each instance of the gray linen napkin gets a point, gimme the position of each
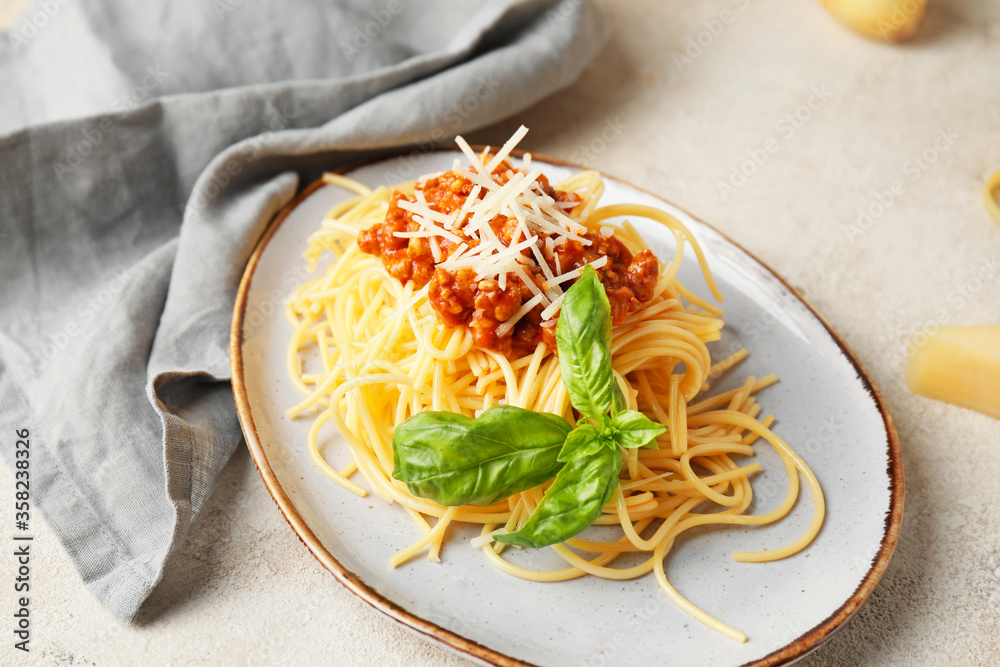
(144, 147)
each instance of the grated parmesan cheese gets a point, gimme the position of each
(548, 315)
(525, 308)
(528, 211)
(576, 273)
(506, 149)
(483, 540)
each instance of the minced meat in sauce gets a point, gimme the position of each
(482, 305)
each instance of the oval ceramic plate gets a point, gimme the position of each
(826, 405)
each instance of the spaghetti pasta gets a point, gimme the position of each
(368, 351)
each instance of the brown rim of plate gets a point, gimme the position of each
(794, 650)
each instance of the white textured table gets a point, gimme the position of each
(926, 114)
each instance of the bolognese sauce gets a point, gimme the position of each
(462, 297)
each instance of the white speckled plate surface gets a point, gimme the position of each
(826, 408)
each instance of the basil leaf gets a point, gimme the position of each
(619, 404)
(583, 340)
(634, 429)
(573, 502)
(584, 440)
(455, 460)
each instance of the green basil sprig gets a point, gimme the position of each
(581, 490)
(583, 339)
(454, 460)
(592, 451)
